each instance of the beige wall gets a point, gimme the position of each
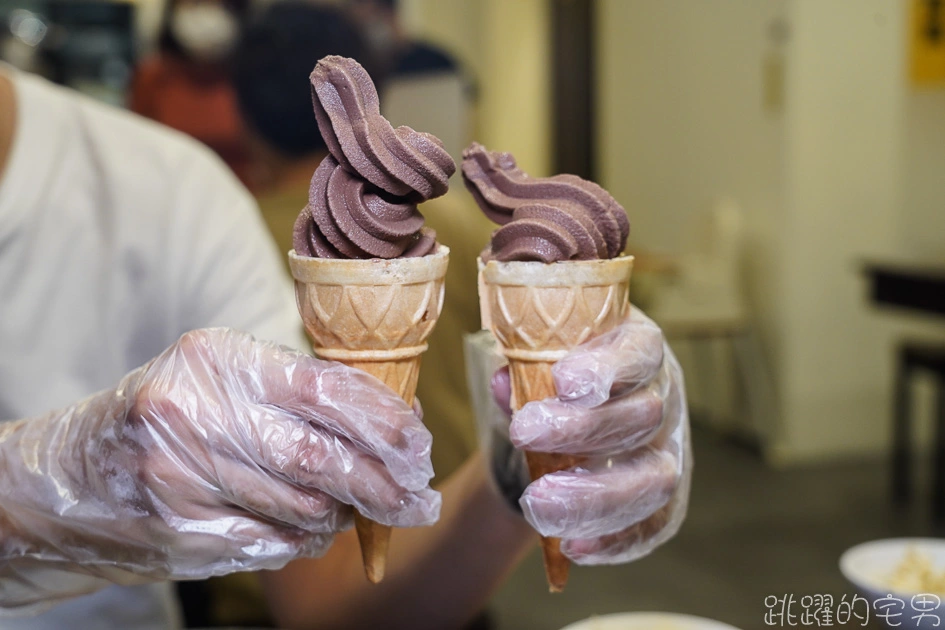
(923, 207)
(688, 114)
(849, 169)
(844, 135)
(681, 116)
(505, 44)
(861, 182)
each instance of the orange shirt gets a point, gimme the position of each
(203, 106)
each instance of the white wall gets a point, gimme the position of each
(923, 207)
(684, 120)
(851, 169)
(844, 133)
(681, 116)
(506, 45)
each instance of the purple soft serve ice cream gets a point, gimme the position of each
(363, 197)
(546, 219)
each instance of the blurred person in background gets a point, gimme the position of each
(186, 84)
(203, 452)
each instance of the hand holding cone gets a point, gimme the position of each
(374, 315)
(368, 275)
(538, 312)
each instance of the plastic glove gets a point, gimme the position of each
(222, 454)
(621, 403)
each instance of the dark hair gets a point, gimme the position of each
(272, 65)
(169, 44)
(390, 5)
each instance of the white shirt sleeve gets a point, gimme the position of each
(223, 265)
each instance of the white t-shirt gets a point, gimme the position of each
(116, 236)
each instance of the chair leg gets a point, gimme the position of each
(705, 368)
(901, 472)
(758, 397)
(938, 484)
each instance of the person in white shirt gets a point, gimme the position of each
(123, 244)
(116, 238)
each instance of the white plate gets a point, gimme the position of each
(648, 621)
(869, 565)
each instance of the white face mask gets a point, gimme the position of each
(206, 31)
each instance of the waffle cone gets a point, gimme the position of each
(374, 315)
(538, 312)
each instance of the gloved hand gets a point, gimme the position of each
(621, 403)
(221, 454)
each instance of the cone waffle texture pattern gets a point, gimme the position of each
(374, 315)
(369, 310)
(538, 312)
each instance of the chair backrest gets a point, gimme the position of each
(716, 233)
(713, 243)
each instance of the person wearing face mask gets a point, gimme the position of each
(186, 84)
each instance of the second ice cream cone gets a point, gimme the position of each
(374, 315)
(538, 312)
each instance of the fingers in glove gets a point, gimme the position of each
(356, 405)
(639, 539)
(621, 359)
(317, 459)
(273, 498)
(239, 540)
(258, 520)
(621, 424)
(627, 545)
(345, 400)
(295, 444)
(244, 483)
(502, 389)
(601, 498)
